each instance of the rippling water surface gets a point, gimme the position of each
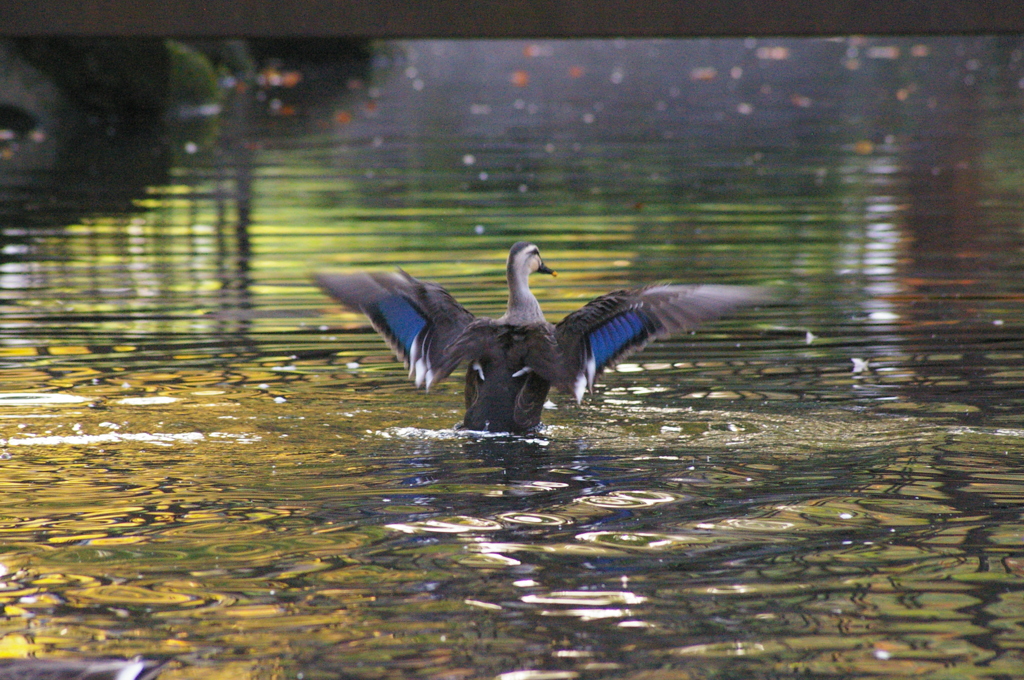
(205, 460)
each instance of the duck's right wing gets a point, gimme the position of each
(418, 319)
(608, 328)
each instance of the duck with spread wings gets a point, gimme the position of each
(513, 361)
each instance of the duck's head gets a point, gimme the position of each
(524, 259)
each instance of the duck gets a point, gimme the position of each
(80, 669)
(513, 361)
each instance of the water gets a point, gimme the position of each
(205, 460)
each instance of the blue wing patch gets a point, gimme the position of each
(616, 334)
(402, 319)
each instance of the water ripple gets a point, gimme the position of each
(454, 525)
(631, 499)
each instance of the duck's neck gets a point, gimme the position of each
(523, 307)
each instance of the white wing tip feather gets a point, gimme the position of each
(579, 387)
(585, 378)
(420, 368)
(414, 355)
(419, 363)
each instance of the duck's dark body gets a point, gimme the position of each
(513, 361)
(497, 399)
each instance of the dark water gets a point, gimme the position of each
(204, 460)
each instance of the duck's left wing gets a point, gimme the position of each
(419, 320)
(606, 330)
